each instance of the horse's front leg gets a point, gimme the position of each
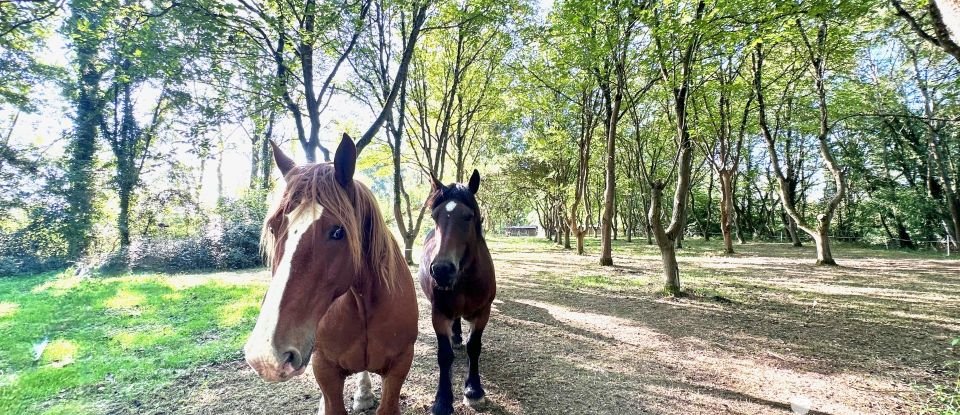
(473, 392)
(330, 377)
(393, 380)
(443, 403)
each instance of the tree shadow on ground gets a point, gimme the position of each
(568, 336)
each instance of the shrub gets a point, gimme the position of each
(239, 232)
(240, 246)
(230, 240)
(36, 247)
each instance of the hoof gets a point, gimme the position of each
(363, 399)
(473, 394)
(364, 403)
(457, 341)
(474, 402)
(441, 409)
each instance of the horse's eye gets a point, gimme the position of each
(337, 233)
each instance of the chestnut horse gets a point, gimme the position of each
(341, 296)
(457, 276)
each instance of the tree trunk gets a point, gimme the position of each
(617, 221)
(727, 221)
(671, 270)
(904, 239)
(646, 223)
(587, 122)
(265, 163)
(822, 238)
(606, 225)
(706, 221)
(558, 219)
(123, 219)
(668, 252)
(254, 161)
(408, 241)
(792, 232)
(83, 145)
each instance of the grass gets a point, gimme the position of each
(566, 336)
(112, 339)
(947, 396)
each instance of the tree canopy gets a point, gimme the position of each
(803, 122)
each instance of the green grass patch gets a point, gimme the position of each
(70, 345)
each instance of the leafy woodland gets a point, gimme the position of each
(811, 122)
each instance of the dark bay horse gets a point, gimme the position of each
(457, 276)
(341, 296)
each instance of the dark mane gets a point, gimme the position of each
(459, 193)
(371, 243)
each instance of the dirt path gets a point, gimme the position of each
(570, 337)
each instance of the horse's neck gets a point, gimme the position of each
(370, 285)
(478, 253)
(366, 284)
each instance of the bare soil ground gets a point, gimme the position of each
(759, 329)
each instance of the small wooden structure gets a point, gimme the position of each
(521, 230)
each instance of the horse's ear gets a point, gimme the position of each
(283, 162)
(345, 161)
(474, 182)
(436, 184)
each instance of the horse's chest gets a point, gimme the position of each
(341, 334)
(460, 303)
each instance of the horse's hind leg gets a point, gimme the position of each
(457, 333)
(392, 382)
(473, 392)
(330, 378)
(363, 399)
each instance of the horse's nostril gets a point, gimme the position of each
(293, 358)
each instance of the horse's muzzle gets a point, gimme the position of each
(444, 275)
(273, 368)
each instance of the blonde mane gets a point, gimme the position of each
(368, 239)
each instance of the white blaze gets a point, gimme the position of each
(260, 342)
(450, 206)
